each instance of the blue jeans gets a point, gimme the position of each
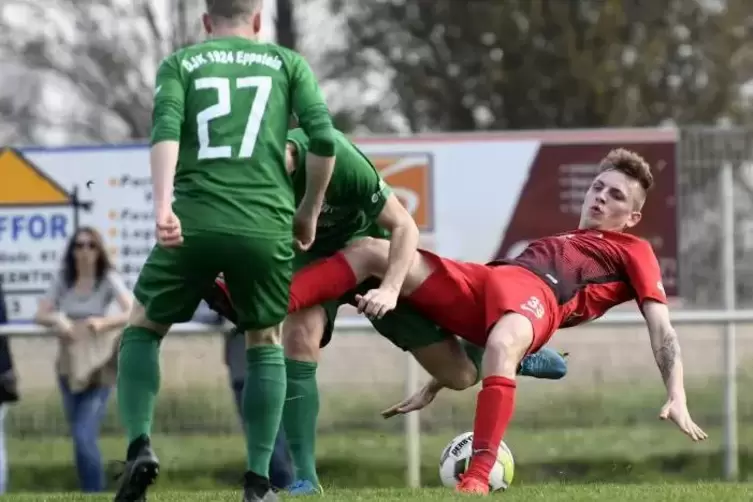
(281, 464)
(84, 412)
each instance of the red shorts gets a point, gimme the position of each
(470, 298)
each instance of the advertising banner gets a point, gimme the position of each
(475, 197)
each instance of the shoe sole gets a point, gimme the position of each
(143, 475)
(268, 497)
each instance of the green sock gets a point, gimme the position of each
(475, 354)
(138, 380)
(300, 416)
(263, 399)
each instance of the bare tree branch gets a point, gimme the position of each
(105, 51)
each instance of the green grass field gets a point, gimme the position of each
(698, 492)
(571, 446)
(643, 454)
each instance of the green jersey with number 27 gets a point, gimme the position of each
(228, 101)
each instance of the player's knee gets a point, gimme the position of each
(303, 333)
(266, 336)
(467, 377)
(459, 378)
(368, 254)
(448, 364)
(507, 344)
(138, 318)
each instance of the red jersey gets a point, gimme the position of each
(591, 271)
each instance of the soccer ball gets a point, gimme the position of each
(457, 455)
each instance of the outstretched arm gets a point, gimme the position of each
(666, 348)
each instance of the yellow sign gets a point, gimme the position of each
(25, 185)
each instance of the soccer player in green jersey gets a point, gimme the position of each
(359, 204)
(220, 121)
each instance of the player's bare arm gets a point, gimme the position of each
(163, 160)
(417, 401)
(315, 120)
(402, 253)
(666, 348)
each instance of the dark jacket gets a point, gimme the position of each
(8, 382)
(235, 354)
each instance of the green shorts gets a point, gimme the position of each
(173, 280)
(404, 327)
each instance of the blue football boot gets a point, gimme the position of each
(304, 487)
(546, 363)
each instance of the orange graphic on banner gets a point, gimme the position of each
(29, 186)
(409, 176)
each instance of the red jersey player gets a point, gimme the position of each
(513, 307)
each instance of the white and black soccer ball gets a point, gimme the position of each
(457, 456)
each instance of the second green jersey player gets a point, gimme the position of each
(220, 121)
(359, 204)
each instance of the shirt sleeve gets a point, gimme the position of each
(311, 109)
(361, 182)
(56, 290)
(645, 274)
(116, 286)
(169, 101)
(298, 138)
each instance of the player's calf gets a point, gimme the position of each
(506, 345)
(137, 387)
(302, 335)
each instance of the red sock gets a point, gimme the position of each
(494, 407)
(321, 281)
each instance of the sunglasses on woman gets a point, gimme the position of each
(85, 245)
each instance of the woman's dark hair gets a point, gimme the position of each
(70, 273)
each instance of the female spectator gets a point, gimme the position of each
(76, 309)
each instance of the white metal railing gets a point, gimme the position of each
(412, 381)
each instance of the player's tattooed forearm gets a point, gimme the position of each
(667, 354)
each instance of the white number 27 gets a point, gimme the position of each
(263, 86)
